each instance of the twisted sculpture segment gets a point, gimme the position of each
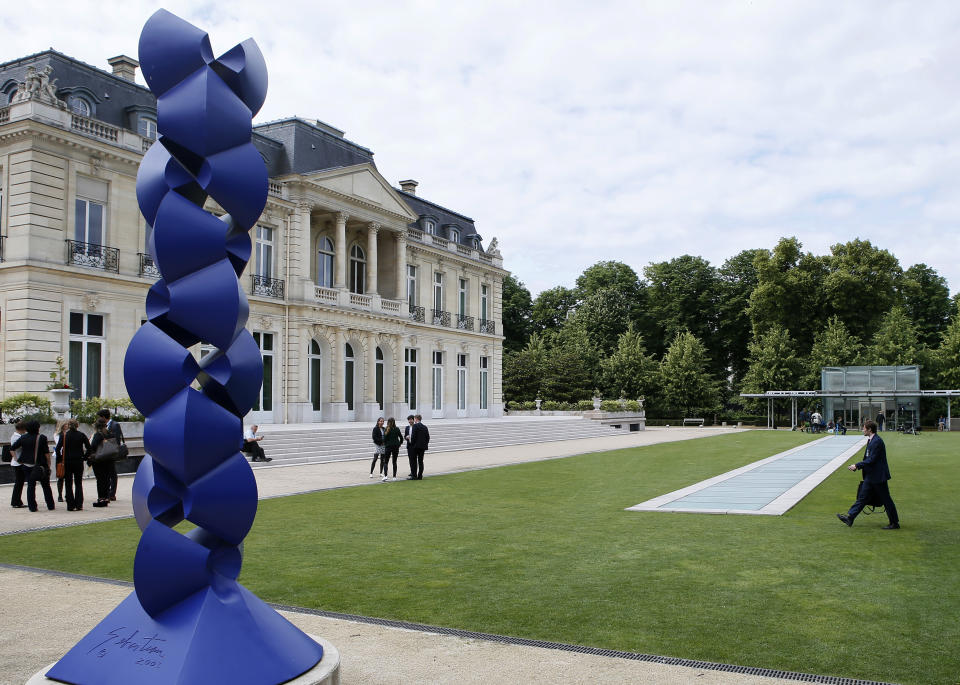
(206, 626)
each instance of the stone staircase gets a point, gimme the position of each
(352, 441)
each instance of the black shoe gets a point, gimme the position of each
(892, 526)
(267, 459)
(846, 519)
(18, 506)
(100, 503)
(411, 477)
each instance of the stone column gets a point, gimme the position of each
(450, 353)
(402, 270)
(340, 249)
(372, 230)
(338, 407)
(304, 260)
(370, 410)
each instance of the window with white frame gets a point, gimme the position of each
(263, 264)
(462, 297)
(411, 285)
(325, 262)
(264, 401)
(410, 377)
(147, 128)
(484, 380)
(438, 291)
(484, 302)
(455, 235)
(358, 268)
(461, 382)
(85, 354)
(315, 357)
(428, 226)
(90, 211)
(79, 105)
(348, 365)
(437, 393)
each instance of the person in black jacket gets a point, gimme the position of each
(876, 473)
(391, 441)
(101, 469)
(378, 449)
(411, 455)
(19, 472)
(113, 428)
(419, 440)
(73, 449)
(35, 459)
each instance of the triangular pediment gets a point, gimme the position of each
(365, 184)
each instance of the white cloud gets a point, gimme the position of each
(622, 130)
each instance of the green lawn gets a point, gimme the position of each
(546, 551)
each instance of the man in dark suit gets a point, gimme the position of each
(116, 432)
(876, 473)
(419, 440)
(408, 441)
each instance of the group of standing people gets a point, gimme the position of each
(29, 455)
(387, 441)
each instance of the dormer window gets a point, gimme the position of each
(428, 226)
(476, 243)
(147, 128)
(455, 235)
(79, 106)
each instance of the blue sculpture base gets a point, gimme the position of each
(205, 638)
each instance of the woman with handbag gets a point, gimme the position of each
(73, 448)
(378, 448)
(35, 459)
(103, 452)
(391, 441)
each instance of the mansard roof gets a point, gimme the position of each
(112, 96)
(309, 147)
(440, 214)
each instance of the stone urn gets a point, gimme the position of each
(60, 400)
(596, 402)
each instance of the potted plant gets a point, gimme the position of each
(59, 388)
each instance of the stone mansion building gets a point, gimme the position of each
(366, 300)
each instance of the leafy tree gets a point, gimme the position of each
(517, 306)
(896, 342)
(608, 276)
(552, 307)
(685, 380)
(861, 286)
(833, 346)
(523, 371)
(737, 279)
(571, 368)
(630, 371)
(926, 300)
(603, 316)
(683, 295)
(947, 357)
(773, 364)
(789, 291)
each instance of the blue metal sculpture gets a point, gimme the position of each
(189, 620)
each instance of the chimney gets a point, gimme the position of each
(409, 186)
(124, 67)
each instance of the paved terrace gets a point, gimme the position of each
(373, 652)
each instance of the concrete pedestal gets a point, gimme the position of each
(327, 672)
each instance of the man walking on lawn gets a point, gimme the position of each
(876, 473)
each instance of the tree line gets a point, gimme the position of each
(690, 337)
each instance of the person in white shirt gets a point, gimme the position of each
(251, 444)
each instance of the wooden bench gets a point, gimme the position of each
(693, 422)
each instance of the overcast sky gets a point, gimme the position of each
(635, 131)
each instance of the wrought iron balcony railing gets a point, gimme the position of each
(148, 269)
(416, 313)
(464, 323)
(487, 326)
(267, 287)
(93, 255)
(439, 317)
